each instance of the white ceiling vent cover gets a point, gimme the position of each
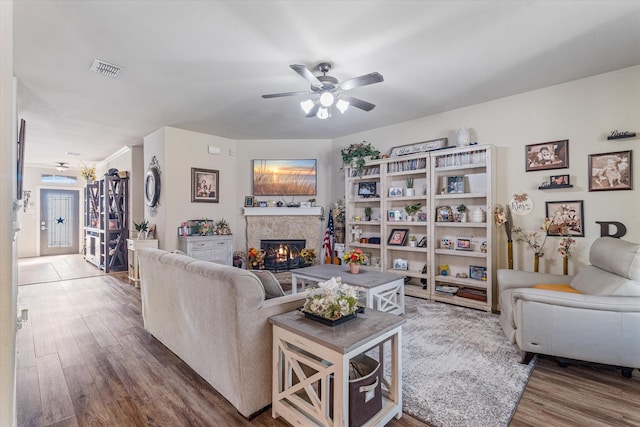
(104, 68)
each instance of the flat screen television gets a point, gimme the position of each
(291, 177)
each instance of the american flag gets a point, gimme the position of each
(327, 244)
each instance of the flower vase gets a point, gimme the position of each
(565, 265)
(536, 263)
(140, 235)
(354, 268)
(510, 254)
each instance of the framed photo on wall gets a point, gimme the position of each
(205, 185)
(567, 218)
(610, 171)
(547, 155)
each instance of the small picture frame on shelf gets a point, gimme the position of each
(477, 272)
(444, 214)
(558, 181)
(400, 264)
(464, 244)
(375, 261)
(395, 216)
(421, 216)
(422, 243)
(367, 189)
(395, 191)
(249, 201)
(398, 237)
(455, 184)
(367, 258)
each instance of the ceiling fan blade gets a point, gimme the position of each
(367, 79)
(314, 110)
(278, 95)
(358, 103)
(307, 75)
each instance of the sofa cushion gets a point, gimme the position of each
(558, 287)
(616, 256)
(272, 288)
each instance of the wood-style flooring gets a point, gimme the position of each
(85, 360)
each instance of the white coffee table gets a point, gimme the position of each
(384, 291)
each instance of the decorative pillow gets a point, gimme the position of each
(272, 288)
(559, 287)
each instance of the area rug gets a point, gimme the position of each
(458, 367)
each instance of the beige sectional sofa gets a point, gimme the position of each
(215, 318)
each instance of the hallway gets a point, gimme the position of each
(54, 269)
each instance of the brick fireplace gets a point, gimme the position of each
(285, 224)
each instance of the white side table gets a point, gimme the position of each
(132, 246)
(306, 354)
(383, 291)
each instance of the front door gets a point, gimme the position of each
(59, 222)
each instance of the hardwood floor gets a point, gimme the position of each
(85, 359)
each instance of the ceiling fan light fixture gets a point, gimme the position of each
(62, 166)
(323, 113)
(342, 105)
(326, 99)
(306, 105)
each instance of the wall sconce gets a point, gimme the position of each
(25, 196)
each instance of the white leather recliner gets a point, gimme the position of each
(601, 324)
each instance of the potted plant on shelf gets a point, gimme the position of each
(141, 227)
(413, 241)
(461, 210)
(411, 209)
(357, 153)
(410, 191)
(367, 213)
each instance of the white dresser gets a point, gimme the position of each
(218, 248)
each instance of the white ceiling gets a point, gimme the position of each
(203, 65)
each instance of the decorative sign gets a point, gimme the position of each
(521, 204)
(418, 147)
(616, 134)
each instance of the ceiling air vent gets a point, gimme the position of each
(104, 68)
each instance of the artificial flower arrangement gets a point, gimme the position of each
(332, 299)
(358, 152)
(564, 246)
(503, 216)
(354, 256)
(255, 258)
(88, 173)
(308, 255)
(531, 239)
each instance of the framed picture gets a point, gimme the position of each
(284, 177)
(455, 184)
(204, 185)
(367, 258)
(477, 272)
(421, 216)
(394, 216)
(610, 171)
(567, 218)
(367, 189)
(249, 201)
(422, 243)
(398, 237)
(444, 214)
(151, 232)
(559, 181)
(547, 155)
(464, 244)
(400, 264)
(395, 191)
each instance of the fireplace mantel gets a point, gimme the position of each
(314, 211)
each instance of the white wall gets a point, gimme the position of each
(582, 111)
(8, 267)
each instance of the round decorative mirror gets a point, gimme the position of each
(152, 185)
